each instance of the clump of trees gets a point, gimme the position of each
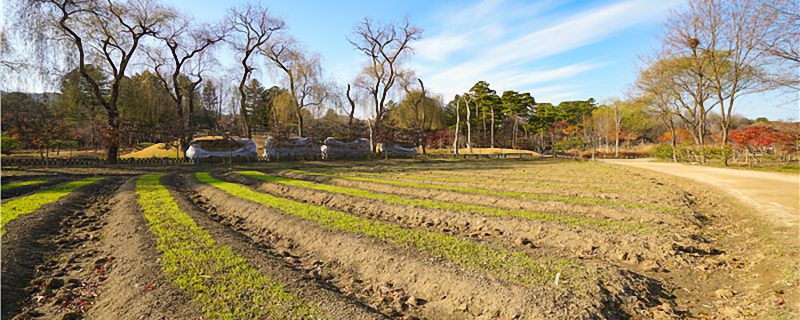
(139, 71)
(713, 53)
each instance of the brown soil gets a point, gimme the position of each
(22, 190)
(643, 253)
(136, 288)
(466, 295)
(303, 279)
(682, 220)
(723, 254)
(33, 243)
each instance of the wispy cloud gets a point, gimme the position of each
(500, 41)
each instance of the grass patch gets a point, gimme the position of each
(593, 223)
(32, 202)
(498, 262)
(218, 280)
(14, 185)
(510, 194)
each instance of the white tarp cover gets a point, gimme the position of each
(248, 149)
(396, 151)
(335, 149)
(292, 147)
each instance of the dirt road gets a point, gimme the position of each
(775, 195)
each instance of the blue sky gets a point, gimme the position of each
(557, 50)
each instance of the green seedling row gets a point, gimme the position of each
(14, 185)
(30, 203)
(531, 178)
(593, 223)
(219, 280)
(490, 192)
(498, 262)
(497, 183)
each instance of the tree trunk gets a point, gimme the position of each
(371, 141)
(112, 151)
(351, 114)
(469, 130)
(491, 138)
(483, 133)
(299, 123)
(674, 141)
(458, 123)
(243, 108)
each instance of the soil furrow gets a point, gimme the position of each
(301, 282)
(621, 214)
(136, 286)
(466, 291)
(470, 189)
(648, 252)
(32, 240)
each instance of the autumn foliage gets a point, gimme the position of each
(763, 136)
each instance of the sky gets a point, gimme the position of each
(556, 50)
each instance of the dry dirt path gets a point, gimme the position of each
(775, 195)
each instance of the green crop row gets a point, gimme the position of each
(593, 223)
(14, 185)
(486, 181)
(490, 192)
(219, 280)
(30, 203)
(541, 177)
(498, 262)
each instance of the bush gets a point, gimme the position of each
(663, 152)
(693, 153)
(9, 144)
(143, 145)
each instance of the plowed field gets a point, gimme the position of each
(499, 239)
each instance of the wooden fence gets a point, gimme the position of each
(95, 162)
(519, 155)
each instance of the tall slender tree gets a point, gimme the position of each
(108, 31)
(384, 45)
(252, 28)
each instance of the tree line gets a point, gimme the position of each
(712, 54)
(139, 71)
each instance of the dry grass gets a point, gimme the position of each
(481, 151)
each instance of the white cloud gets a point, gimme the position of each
(507, 60)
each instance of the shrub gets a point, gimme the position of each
(9, 144)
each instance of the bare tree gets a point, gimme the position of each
(656, 88)
(616, 107)
(686, 44)
(109, 32)
(252, 27)
(467, 98)
(781, 44)
(350, 113)
(726, 37)
(458, 120)
(303, 74)
(384, 46)
(734, 35)
(418, 99)
(185, 44)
